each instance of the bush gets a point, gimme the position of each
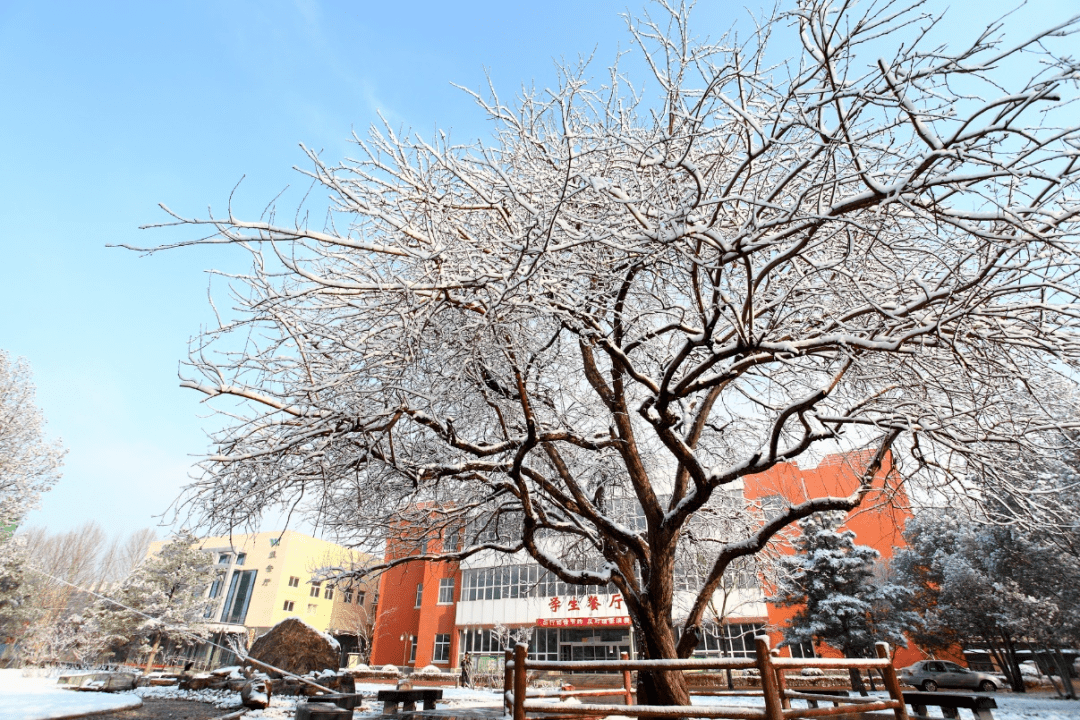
(390, 669)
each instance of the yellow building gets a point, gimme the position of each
(267, 577)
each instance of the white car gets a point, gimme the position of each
(929, 675)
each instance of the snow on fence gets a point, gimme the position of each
(773, 687)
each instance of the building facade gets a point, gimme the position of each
(266, 577)
(433, 613)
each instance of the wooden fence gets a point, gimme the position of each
(520, 702)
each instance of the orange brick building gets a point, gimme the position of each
(433, 613)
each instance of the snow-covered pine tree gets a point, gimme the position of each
(842, 599)
(164, 599)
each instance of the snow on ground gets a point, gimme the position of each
(35, 696)
(1010, 707)
(18, 693)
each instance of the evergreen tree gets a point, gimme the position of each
(1001, 585)
(163, 600)
(842, 599)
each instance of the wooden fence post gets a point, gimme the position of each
(888, 674)
(626, 682)
(781, 683)
(508, 657)
(520, 651)
(773, 709)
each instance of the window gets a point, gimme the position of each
(360, 597)
(442, 648)
(446, 591)
(419, 593)
(289, 605)
(329, 594)
(223, 559)
(294, 582)
(315, 587)
(213, 593)
(311, 608)
(273, 554)
(240, 558)
(520, 581)
(423, 546)
(730, 640)
(450, 544)
(348, 597)
(483, 642)
(412, 649)
(274, 542)
(239, 597)
(802, 650)
(545, 644)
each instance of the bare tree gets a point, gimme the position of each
(568, 341)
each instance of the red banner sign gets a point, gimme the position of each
(583, 622)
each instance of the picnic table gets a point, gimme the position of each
(408, 699)
(950, 704)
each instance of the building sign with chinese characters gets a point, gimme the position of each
(623, 621)
(587, 611)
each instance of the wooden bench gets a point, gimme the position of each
(408, 699)
(950, 704)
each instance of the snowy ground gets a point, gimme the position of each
(1010, 707)
(37, 697)
(29, 698)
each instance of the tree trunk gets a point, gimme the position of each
(1066, 676)
(1014, 664)
(856, 681)
(153, 652)
(659, 687)
(1002, 661)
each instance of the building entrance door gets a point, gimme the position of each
(580, 644)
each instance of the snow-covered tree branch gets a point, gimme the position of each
(626, 302)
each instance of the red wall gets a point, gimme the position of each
(398, 614)
(877, 522)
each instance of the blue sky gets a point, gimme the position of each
(108, 108)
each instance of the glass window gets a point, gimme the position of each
(294, 582)
(442, 648)
(315, 587)
(347, 597)
(412, 649)
(289, 605)
(223, 559)
(450, 544)
(239, 597)
(446, 591)
(329, 594)
(240, 558)
(312, 608)
(419, 593)
(360, 597)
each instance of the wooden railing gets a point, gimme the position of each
(519, 702)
